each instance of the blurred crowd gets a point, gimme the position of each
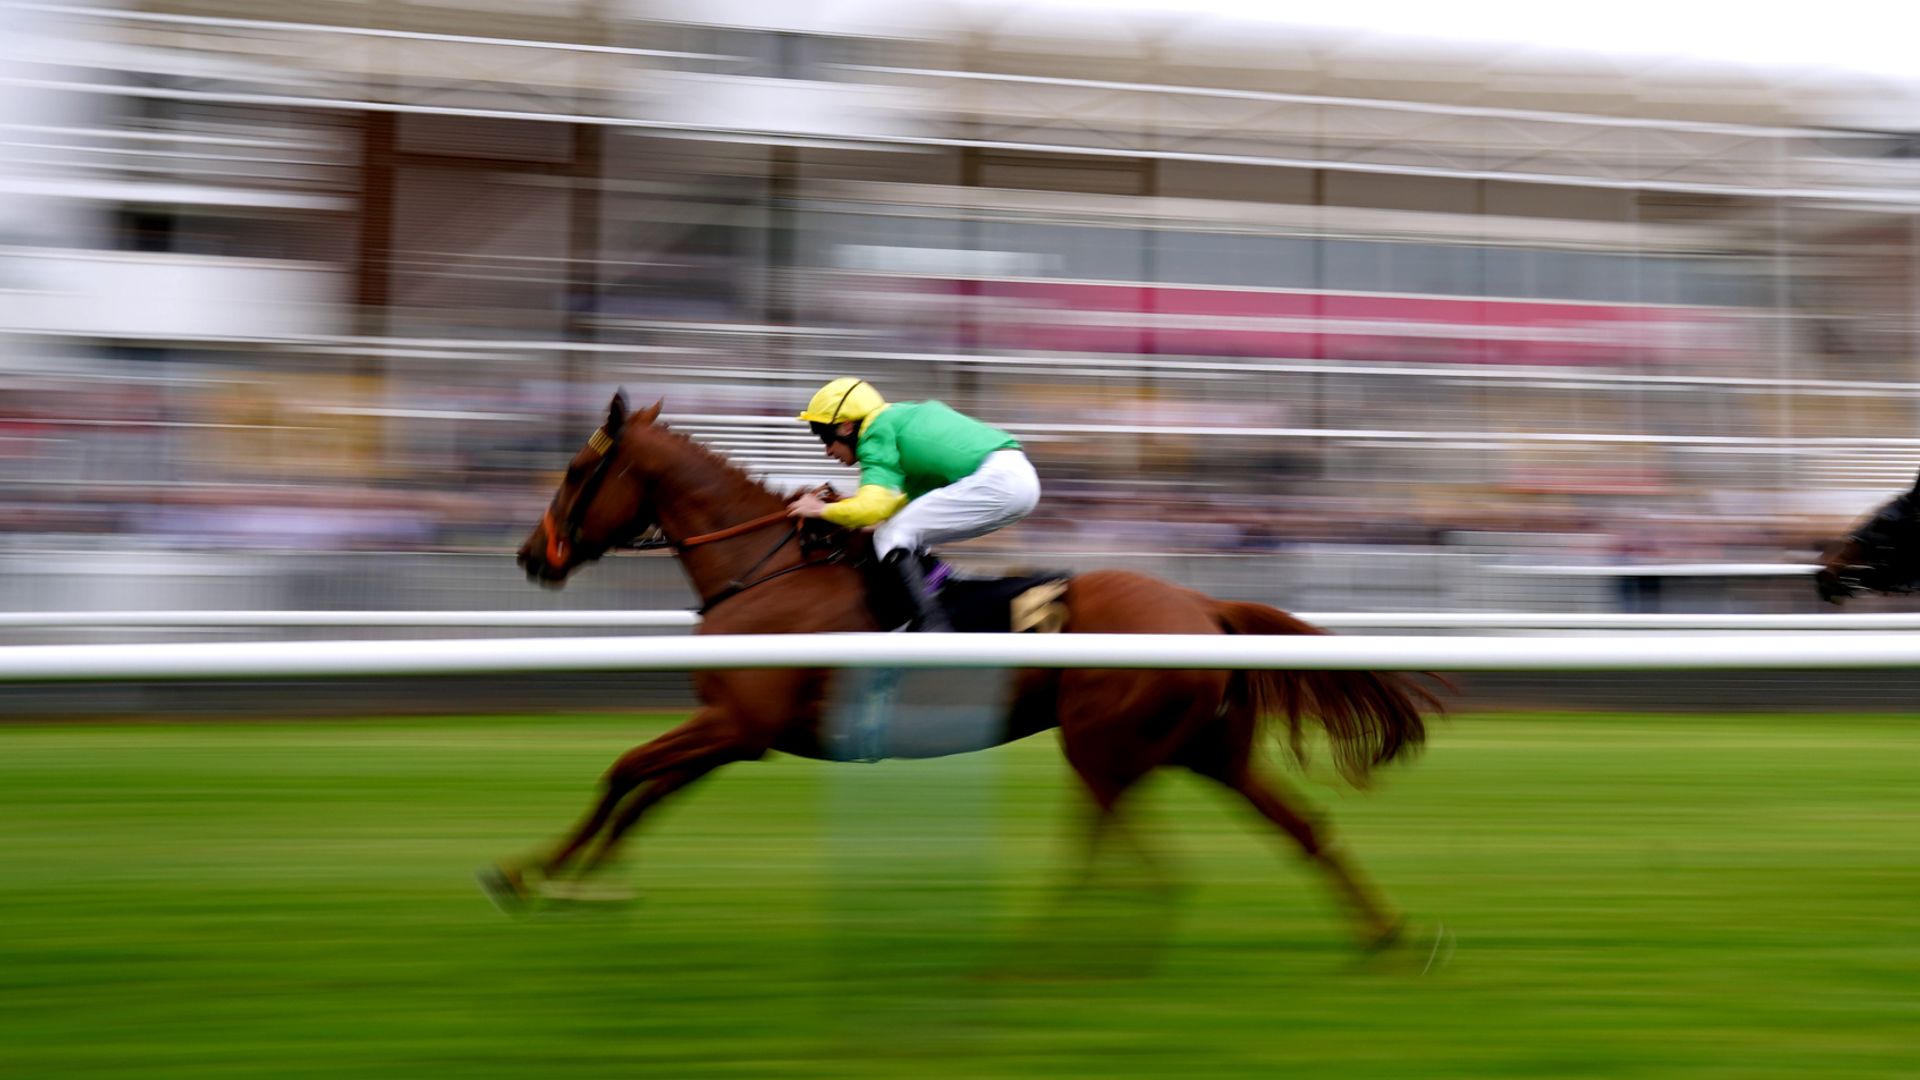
(206, 458)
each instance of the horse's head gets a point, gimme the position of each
(1882, 555)
(602, 501)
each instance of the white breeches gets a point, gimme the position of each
(1002, 491)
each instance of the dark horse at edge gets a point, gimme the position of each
(1881, 554)
(745, 559)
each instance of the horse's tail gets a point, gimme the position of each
(1371, 717)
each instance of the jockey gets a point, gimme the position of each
(928, 475)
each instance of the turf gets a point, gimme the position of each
(1625, 896)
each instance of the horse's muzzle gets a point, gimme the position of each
(532, 559)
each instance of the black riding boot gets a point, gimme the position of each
(929, 615)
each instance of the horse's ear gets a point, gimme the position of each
(616, 412)
(651, 413)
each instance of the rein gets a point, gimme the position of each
(744, 580)
(732, 531)
(737, 586)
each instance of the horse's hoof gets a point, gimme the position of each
(504, 888)
(1387, 937)
(1414, 948)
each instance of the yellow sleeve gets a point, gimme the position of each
(870, 505)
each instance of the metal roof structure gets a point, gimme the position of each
(1017, 78)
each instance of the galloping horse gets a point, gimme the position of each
(744, 558)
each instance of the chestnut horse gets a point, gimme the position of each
(744, 558)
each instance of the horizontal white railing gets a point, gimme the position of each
(756, 421)
(1531, 620)
(1694, 570)
(466, 620)
(328, 659)
(635, 620)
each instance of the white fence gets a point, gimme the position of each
(273, 660)
(468, 620)
(1494, 621)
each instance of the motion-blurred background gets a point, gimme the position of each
(1370, 305)
(1335, 316)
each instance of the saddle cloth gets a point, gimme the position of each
(877, 713)
(975, 605)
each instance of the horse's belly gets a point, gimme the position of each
(914, 713)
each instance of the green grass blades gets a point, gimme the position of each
(1631, 896)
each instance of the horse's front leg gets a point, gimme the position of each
(668, 782)
(666, 764)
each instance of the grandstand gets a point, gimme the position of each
(1451, 303)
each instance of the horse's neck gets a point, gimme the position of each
(695, 496)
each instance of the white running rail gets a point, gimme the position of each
(331, 659)
(635, 620)
(465, 620)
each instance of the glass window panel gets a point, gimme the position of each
(1740, 283)
(1354, 265)
(1656, 280)
(1014, 249)
(1251, 260)
(1238, 259)
(1104, 254)
(1280, 262)
(1445, 269)
(1601, 277)
(1187, 258)
(1554, 274)
(930, 232)
(1070, 251)
(1718, 281)
(1690, 281)
(1507, 271)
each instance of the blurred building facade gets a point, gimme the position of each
(358, 275)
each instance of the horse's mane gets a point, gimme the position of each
(719, 464)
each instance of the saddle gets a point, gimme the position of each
(1023, 603)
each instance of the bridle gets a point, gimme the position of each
(655, 536)
(557, 546)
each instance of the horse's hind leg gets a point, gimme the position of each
(1380, 925)
(1112, 747)
(1106, 830)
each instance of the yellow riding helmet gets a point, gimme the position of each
(843, 399)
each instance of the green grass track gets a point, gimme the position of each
(1626, 896)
